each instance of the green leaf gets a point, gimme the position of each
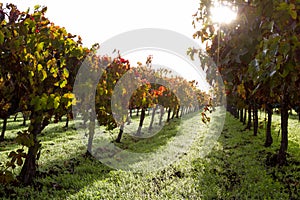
(1, 37)
(285, 73)
(283, 6)
(38, 55)
(33, 101)
(285, 48)
(56, 102)
(43, 101)
(30, 23)
(293, 14)
(144, 100)
(101, 91)
(63, 83)
(292, 6)
(51, 63)
(6, 177)
(36, 7)
(66, 72)
(54, 70)
(25, 139)
(40, 47)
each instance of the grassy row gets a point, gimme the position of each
(235, 168)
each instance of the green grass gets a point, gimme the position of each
(234, 169)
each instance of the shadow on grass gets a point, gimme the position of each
(64, 167)
(150, 144)
(13, 125)
(56, 130)
(237, 168)
(58, 177)
(295, 117)
(52, 132)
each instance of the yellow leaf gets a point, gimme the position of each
(293, 14)
(39, 67)
(44, 75)
(69, 95)
(15, 33)
(66, 72)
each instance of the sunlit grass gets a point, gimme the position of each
(236, 168)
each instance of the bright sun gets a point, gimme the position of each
(223, 14)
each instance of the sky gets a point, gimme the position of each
(97, 21)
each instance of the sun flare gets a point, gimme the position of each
(223, 14)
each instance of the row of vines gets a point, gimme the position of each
(39, 63)
(258, 56)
